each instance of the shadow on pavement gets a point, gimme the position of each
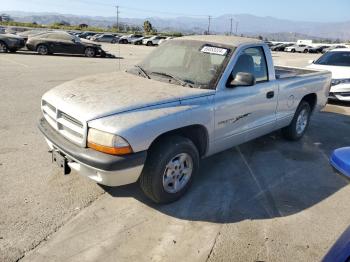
(265, 178)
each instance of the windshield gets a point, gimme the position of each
(334, 59)
(193, 62)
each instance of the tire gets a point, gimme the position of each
(301, 120)
(13, 50)
(306, 51)
(124, 41)
(163, 169)
(3, 47)
(90, 52)
(149, 43)
(293, 51)
(114, 42)
(42, 49)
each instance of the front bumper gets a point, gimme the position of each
(340, 92)
(105, 169)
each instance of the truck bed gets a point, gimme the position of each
(287, 72)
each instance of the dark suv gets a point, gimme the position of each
(10, 42)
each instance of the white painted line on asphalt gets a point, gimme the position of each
(14, 62)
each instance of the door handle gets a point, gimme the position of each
(270, 94)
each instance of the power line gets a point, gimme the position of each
(117, 7)
(162, 12)
(209, 20)
(139, 9)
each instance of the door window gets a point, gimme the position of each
(252, 61)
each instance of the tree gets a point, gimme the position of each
(260, 37)
(147, 27)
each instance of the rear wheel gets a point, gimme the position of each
(306, 51)
(90, 52)
(169, 169)
(299, 124)
(3, 47)
(42, 50)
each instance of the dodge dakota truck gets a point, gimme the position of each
(190, 98)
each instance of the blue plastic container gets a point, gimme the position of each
(340, 160)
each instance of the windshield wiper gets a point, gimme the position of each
(142, 71)
(180, 81)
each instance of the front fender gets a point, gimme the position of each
(141, 127)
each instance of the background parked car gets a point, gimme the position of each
(154, 40)
(106, 38)
(27, 34)
(297, 48)
(280, 47)
(86, 34)
(164, 40)
(126, 39)
(10, 43)
(333, 47)
(137, 41)
(317, 49)
(338, 62)
(62, 42)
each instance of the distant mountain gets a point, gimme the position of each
(246, 24)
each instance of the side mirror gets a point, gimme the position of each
(243, 79)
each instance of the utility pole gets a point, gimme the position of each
(209, 25)
(231, 20)
(237, 27)
(117, 7)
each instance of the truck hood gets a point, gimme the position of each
(102, 95)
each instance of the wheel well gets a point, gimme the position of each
(36, 47)
(4, 43)
(198, 134)
(311, 99)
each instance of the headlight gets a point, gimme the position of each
(340, 81)
(108, 143)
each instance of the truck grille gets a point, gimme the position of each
(68, 126)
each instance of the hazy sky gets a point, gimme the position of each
(301, 10)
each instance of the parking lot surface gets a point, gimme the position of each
(266, 200)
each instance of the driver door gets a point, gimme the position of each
(245, 112)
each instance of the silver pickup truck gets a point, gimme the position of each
(190, 98)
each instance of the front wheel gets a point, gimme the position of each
(169, 169)
(299, 124)
(293, 50)
(306, 51)
(149, 43)
(3, 47)
(42, 50)
(90, 52)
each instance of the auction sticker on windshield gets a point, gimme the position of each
(214, 50)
